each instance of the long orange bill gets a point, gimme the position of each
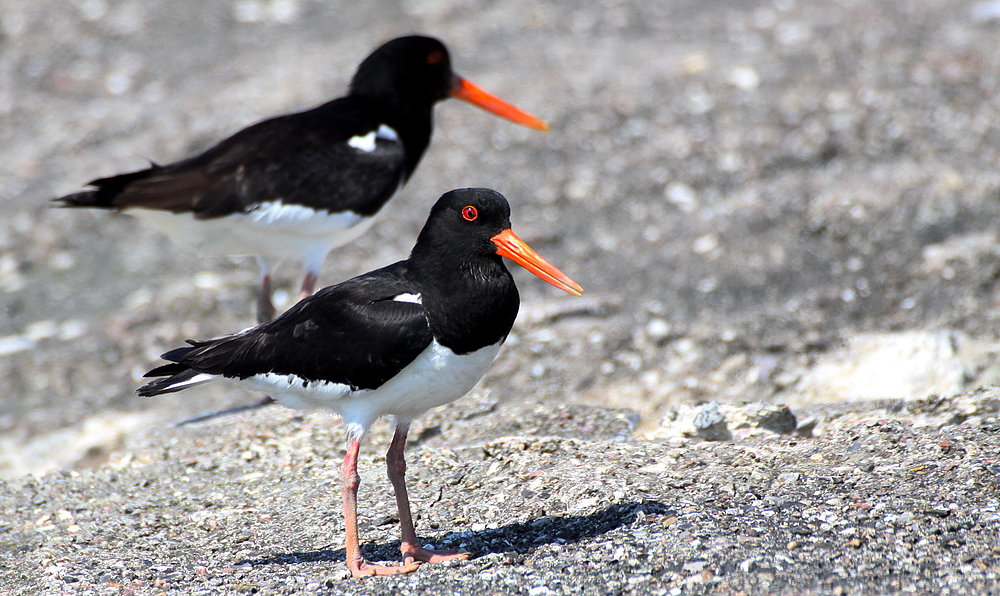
(512, 247)
(466, 91)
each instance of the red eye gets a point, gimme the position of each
(435, 57)
(470, 213)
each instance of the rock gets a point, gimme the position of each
(721, 422)
(906, 365)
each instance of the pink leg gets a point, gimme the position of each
(396, 467)
(350, 480)
(309, 284)
(265, 308)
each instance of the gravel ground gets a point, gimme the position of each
(789, 202)
(250, 505)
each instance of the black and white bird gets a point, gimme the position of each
(396, 341)
(300, 185)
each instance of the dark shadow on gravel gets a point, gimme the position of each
(512, 539)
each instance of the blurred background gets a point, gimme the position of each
(788, 201)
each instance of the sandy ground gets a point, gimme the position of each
(792, 202)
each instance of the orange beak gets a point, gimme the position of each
(466, 91)
(512, 247)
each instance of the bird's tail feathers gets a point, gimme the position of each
(175, 377)
(105, 190)
(178, 374)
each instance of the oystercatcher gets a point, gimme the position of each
(396, 341)
(303, 184)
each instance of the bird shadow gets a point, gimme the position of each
(511, 539)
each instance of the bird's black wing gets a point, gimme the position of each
(353, 333)
(296, 158)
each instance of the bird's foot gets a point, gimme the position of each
(362, 568)
(412, 552)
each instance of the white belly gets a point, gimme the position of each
(438, 376)
(274, 230)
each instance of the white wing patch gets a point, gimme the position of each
(298, 393)
(366, 142)
(386, 132)
(278, 213)
(414, 298)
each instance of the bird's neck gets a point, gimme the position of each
(413, 121)
(415, 134)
